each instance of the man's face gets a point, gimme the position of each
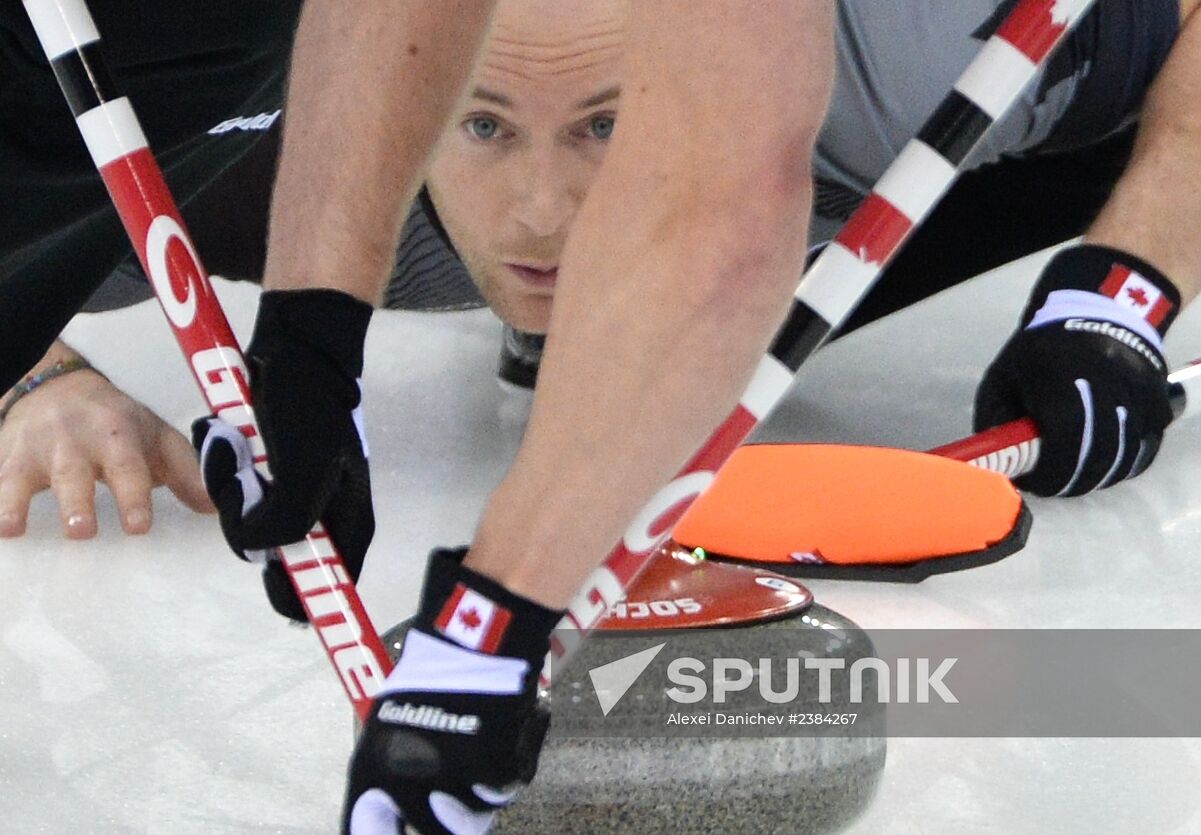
(513, 168)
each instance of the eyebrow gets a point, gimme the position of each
(496, 98)
(600, 98)
(607, 95)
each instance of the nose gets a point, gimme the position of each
(547, 197)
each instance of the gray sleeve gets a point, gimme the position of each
(895, 61)
(428, 274)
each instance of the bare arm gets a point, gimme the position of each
(1155, 211)
(358, 133)
(677, 273)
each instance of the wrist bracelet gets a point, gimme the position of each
(34, 380)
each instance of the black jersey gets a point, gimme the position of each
(188, 68)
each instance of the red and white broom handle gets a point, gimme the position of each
(118, 146)
(1012, 448)
(840, 277)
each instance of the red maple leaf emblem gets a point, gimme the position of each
(470, 618)
(1139, 296)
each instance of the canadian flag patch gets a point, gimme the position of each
(1131, 290)
(472, 620)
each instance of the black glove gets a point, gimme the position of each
(458, 727)
(1087, 365)
(304, 360)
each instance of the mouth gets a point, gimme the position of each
(539, 277)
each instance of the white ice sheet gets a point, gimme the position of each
(145, 687)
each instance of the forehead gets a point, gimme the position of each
(553, 46)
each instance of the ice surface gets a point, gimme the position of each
(145, 686)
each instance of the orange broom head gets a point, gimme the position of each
(849, 505)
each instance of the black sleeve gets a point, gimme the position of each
(428, 274)
(997, 214)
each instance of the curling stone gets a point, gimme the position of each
(625, 769)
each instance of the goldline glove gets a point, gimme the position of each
(1087, 365)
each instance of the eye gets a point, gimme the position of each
(483, 127)
(601, 126)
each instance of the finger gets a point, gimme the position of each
(281, 593)
(998, 400)
(1064, 472)
(127, 474)
(73, 482)
(1140, 447)
(17, 488)
(458, 817)
(227, 467)
(1148, 447)
(375, 813)
(1067, 427)
(1106, 450)
(179, 470)
(1125, 451)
